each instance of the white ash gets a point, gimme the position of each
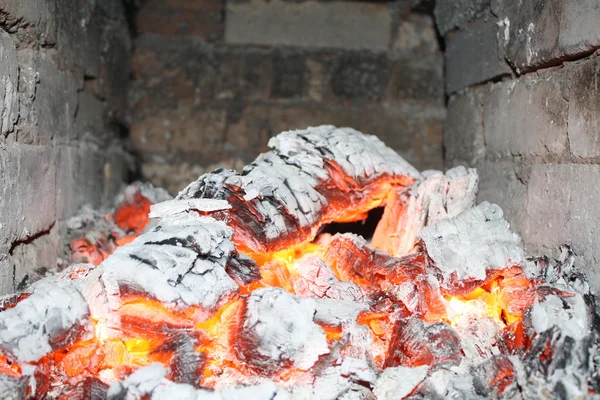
(54, 316)
(181, 263)
(475, 241)
(335, 312)
(283, 186)
(398, 382)
(151, 382)
(146, 189)
(478, 338)
(346, 146)
(173, 207)
(281, 329)
(317, 280)
(358, 370)
(434, 197)
(570, 314)
(449, 383)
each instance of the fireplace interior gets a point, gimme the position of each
(314, 199)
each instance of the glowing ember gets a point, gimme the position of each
(233, 289)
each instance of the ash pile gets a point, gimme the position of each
(232, 291)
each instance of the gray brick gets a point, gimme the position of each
(450, 14)
(584, 109)
(527, 117)
(55, 103)
(6, 272)
(80, 171)
(32, 13)
(9, 99)
(473, 55)
(463, 133)
(561, 208)
(27, 191)
(332, 24)
(501, 183)
(542, 32)
(361, 76)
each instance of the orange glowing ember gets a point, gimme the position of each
(246, 304)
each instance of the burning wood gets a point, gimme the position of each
(230, 292)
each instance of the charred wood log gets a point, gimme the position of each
(51, 318)
(434, 197)
(310, 178)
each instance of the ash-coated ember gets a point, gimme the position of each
(232, 291)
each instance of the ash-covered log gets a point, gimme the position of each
(467, 247)
(151, 383)
(279, 331)
(52, 317)
(310, 178)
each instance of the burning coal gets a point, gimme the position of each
(232, 291)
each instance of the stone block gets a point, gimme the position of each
(114, 73)
(420, 79)
(55, 104)
(182, 132)
(309, 24)
(463, 134)
(31, 13)
(6, 273)
(33, 259)
(361, 76)
(27, 191)
(527, 117)
(584, 109)
(416, 34)
(501, 182)
(561, 208)
(289, 75)
(450, 14)
(79, 176)
(545, 32)
(200, 19)
(9, 83)
(474, 55)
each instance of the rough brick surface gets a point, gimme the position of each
(28, 200)
(201, 19)
(312, 24)
(501, 182)
(474, 54)
(528, 116)
(196, 103)
(463, 134)
(63, 82)
(361, 77)
(451, 14)
(534, 137)
(584, 109)
(561, 209)
(541, 32)
(9, 106)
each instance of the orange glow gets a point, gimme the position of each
(394, 289)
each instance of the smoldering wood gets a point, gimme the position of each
(279, 331)
(398, 382)
(151, 382)
(52, 317)
(310, 178)
(181, 262)
(475, 241)
(435, 196)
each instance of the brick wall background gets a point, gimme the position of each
(523, 80)
(64, 69)
(212, 80)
